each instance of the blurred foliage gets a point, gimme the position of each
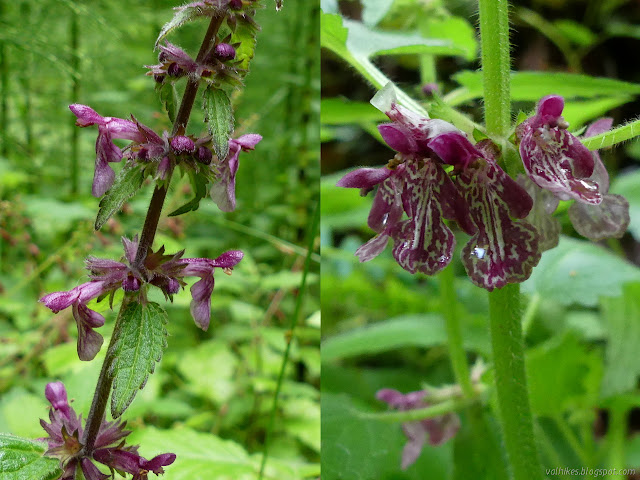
(210, 397)
(384, 328)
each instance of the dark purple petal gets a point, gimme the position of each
(454, 148)
(119, 459)
(553, 158)
(398, 137)
(247, 141)
(228, 259)
(156, 463)
(423, 242)
(365, 178)
(503, 250)
(541, 214)
(201, 301)
(89, 341)
(87, 116)
(549, 111)
(58, 301)
(173, 286)
(609, 219)
(103, 177)
(57, 396)
(90, 471)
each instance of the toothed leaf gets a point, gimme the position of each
(140, 344)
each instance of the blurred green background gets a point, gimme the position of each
(211, 395)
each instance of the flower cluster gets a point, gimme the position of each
(165, 272)
(65, 443)
(217, 64)
(561, 168)
(435, 431)
(162, 153)
(439, 174)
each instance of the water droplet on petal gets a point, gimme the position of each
(479, 252)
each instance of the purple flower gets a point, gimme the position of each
(435, 431)
(415, 183)
(147, 143)
(106, 276)
(504, 249)
(65, 443)
(201, 290)
(223, 193)
(174, 62)
(610, 218)
(553, 158)
(224, 52)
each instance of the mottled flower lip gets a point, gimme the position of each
(553, 158)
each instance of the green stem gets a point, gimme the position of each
(504, 304)
(496, 65)
(511, 383)
(448, 406)
(311, 236)
(457, 354)
(616, 437)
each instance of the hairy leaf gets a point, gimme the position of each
(199, 185)
(219, 117)
(127, 183)
(179, 18)
(22, 459)
(169, 98)
(140, 344)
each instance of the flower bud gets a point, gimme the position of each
(131, 284)
(204, 155)
(225, 52)
(235, 4)
(182, 144)
(174, 70)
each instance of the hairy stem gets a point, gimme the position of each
(182, 119)
(103, 388)
(504, 304)
(511, 383)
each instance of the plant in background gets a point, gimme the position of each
(500, 184)
(210, 161)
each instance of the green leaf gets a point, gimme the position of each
(179, 18)
(21, 459)
(425, 330)
(579, 272)
(168, 98)
(357, 448)
(622, 321)
(576, 32)
(367, 42)
(128, 182)
(531, 86)
(455, 29)
(245, 34)
(139, 345)
(628, 185)
(19, 411)
(340, 111)
(199, 186)
(563, 365)
(219, 118)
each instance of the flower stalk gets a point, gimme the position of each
(105, 380)
(504, 303)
